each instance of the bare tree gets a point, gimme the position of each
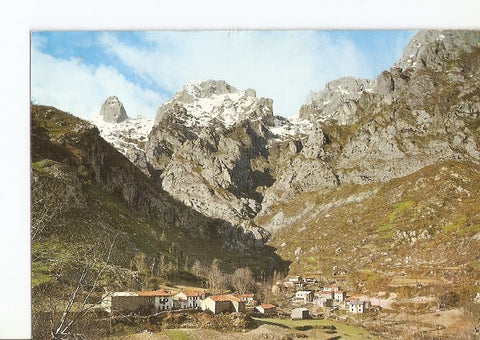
(90, 276)
(46, 205)
(216, 279)
(242, 280)
(73, 293)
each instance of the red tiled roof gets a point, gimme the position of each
(246, 295)
(225, 297)
(192, 292)
(267, 306)
(158, 292)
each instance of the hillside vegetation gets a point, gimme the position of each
(425, 225)
(99, 224)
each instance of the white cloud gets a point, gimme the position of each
(282, 65)
(80, 89)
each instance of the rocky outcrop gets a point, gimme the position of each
(104, 182)
(338, 101)
(208, 150)
(113, 111)
(424, 109)
(221, 151)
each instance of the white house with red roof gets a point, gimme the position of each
(304, 296)
(266, 308)
(339, 295)
(249, 299)
(163, 299)
(356, 306)
(187, 299)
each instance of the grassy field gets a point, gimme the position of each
(177, 334)
(320, 329)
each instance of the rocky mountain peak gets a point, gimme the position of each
(214, 102)
(113, 111)
(430, 49)
(338, 100)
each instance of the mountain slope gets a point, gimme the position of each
(101, 193)
(208, 149)
(394, 190)
(421, 224)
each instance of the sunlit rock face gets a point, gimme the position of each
(113, 111)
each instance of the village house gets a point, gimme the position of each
(347, 300)
(295, 278)
(300, 313)
(188, 299)
(324, 295)
(356, 306)
(310, 280)
(132, 302)
(223, 304)
(163, 300)
(303, 296)
(249, 299)
(125, 302)
(294, 281)
(323, 302)
(331, 288)
(266, 308)
(339, 295)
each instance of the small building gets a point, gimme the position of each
(324, 295)
(188, 299)
(356, 306)
(310, 280)
(294, 281)
(249, 299)
(300, 313)
(266, 308)
(331, 288)
(304, 296)
(125, 302)
(163, 299)
(339, 295)
(294, 278)
(347, 301)
(323, 302)
(227, 303)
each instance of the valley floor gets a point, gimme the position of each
(443, 324)
(271, 328)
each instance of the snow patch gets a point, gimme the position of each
(126, 134)
(227, 108)
(291, 127)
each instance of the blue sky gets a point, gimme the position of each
(77, 70)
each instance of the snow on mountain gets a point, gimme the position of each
(285, 127)
(226, 108)
(128, 134)
(213, 101)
